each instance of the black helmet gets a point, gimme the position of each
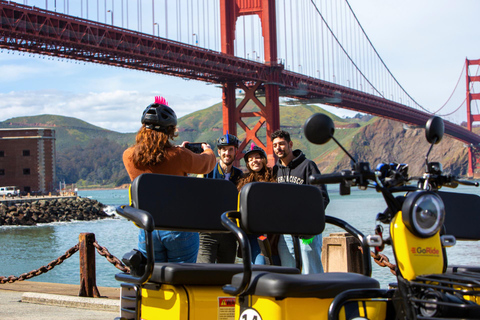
(253, 149)
(228, 140)
(158, 115)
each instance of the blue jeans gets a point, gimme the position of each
(257, 258)
(311, 254)
(171, 246)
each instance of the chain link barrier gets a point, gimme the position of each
(111, 258)
(379, 258)
(101, 250)
(383, 261)
(41, 270)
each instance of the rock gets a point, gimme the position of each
(55, 210)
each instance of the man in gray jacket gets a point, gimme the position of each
(293, 167)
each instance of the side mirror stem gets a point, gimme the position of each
(428, 153)
(344, 150)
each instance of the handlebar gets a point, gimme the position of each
(467, 183)
(331, 178)
(360, 178)
(361, 175)
(437, 181)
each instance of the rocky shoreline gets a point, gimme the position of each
(30, 213)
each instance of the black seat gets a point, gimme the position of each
(461, 221)
(182, 204)
(216, 274)
(320, 285)
(284, 209)
(462, 215)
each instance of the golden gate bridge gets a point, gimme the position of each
(306, 50)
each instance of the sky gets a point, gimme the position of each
(424, 43)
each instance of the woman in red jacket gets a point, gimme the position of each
(153, 152)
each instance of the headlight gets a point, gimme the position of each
(423, 213)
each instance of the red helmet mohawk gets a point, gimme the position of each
(161, 100)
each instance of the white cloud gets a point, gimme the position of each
(424, 44)
(114, 110)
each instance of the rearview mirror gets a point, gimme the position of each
(434, 130)
(319, 128)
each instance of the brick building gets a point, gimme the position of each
(27, 159)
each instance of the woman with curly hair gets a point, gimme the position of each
(153, 152)
(258, 171)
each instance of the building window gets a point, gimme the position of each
(26, 171)
(26, 189)
(26, 153)
(2, 172)
(2, 153)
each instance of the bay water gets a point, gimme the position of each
(27, 248)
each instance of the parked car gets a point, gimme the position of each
(9, 191)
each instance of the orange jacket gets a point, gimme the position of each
(178, 162)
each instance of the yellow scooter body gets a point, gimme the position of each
(210, 302)
(186, 303)
(304, 308)
(415, 256)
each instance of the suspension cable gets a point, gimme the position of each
(449, 114)
(451, 95)
(343, 49)
(375, 50)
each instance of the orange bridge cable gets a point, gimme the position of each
(454, 90)
(334, 37)
(449, 114)
(378, 55)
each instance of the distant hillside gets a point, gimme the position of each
(368, 138)
(86, 154)
(89, 155)
(69, 131)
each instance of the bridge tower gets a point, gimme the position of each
(473, 150)
(269, 114)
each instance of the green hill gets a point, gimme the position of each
(69, 132)
(368, 138)
(77, 143)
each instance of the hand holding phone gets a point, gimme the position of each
(195, 147)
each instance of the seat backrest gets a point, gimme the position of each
(276, 208)
(462, 218)
(184, 203)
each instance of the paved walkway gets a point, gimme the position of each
(45, 301)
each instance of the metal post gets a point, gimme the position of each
(111, 13)
(88, 279)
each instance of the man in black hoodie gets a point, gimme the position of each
(293, 167)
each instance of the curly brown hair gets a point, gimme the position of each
(149, 147)
(264, 175)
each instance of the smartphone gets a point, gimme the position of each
(195, 147)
